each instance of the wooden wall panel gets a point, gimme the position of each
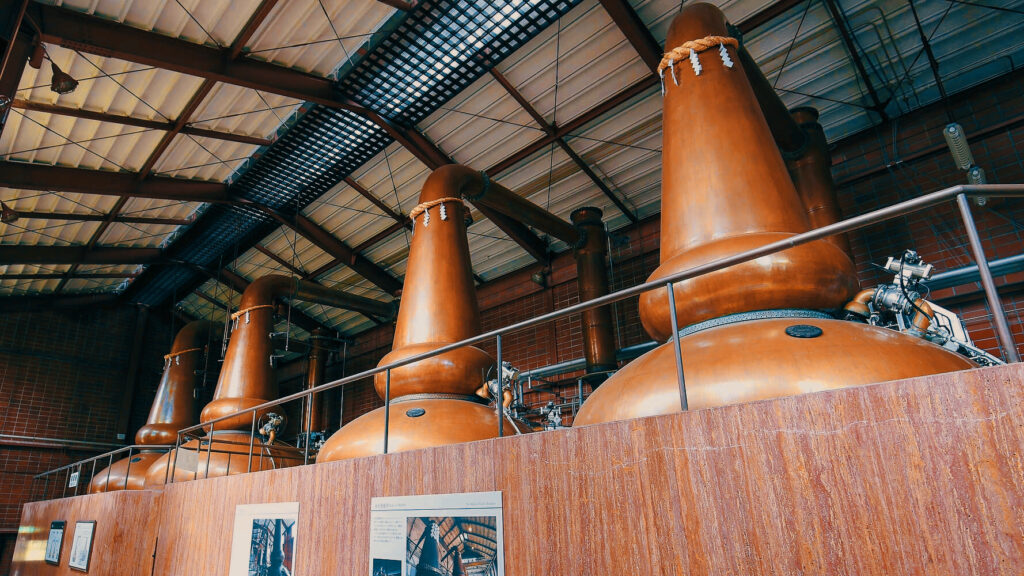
(912, 477)
(122, 543)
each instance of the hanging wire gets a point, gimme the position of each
(789, 50)
(201, 27)
(554, 112)
(398, 200)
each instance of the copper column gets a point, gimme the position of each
(592, 280)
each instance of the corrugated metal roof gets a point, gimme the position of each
(420, 74)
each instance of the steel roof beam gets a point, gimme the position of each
(137, 122)
(83, 275)
(24, 176)
(113, 40)
(580, 163)
(76, 254)
(29, 214)
(339, 250)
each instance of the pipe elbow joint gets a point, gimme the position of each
(859, 305)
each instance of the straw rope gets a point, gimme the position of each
(683, 51)
(236, 315)
(421, 208)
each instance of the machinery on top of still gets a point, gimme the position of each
(901, 306)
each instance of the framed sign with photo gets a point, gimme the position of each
(81, 545)
(264, 540)
(54, 542)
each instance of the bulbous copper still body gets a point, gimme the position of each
(752, 331)
(433, 400)
(173, 408)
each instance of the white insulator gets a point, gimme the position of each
(958, 146)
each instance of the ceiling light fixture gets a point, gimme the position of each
(62, 82)
(7, 214)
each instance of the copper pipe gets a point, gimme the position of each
(481, 190)
(725, 190)
(247, 379)
(812, 176)
(786, 131)
(315, 417)
(592, 281)
(859, 304)
(923, 315)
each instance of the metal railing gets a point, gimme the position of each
(106, 459)
(958, 193)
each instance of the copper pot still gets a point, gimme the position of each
(173, 408)
(246, 379)
(433, 401)
(755, 330)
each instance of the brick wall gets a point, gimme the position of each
(870, 172)
(63, 378)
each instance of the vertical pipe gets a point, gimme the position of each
(252, 437)
(592, 281)
(314, 420)
(387, 407)
(683, 403)
(988, 283)
(497, 393)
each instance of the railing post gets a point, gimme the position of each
(683, 403)
(387, 407)
(67, 478)
(209, 450)
(93, 473)
(309, 425)
(252, 439)
(497, 393)
(128, 469)
(106, 483)
(174, 461)
(987, 282)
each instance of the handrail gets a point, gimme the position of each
(959, 192)
(106, 456)
(848, 225)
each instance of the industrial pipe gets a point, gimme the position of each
(786, 131)
(592, 281)
(479, 189)
(315, 416)
(812, 176)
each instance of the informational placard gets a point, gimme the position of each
(264, 539)
(435, 534)
(73, 480)
(54, 542)
(81, 545)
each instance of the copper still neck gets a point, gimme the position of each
(174, 407)
(592, 280)
(439, 304)
(247, 378)
(725, 189)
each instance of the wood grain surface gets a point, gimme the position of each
(922, 476)
(122, 543)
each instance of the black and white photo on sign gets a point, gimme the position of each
(81, 545)
(452, 546)
(264, 540)
(437, 535)
(54, 542)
